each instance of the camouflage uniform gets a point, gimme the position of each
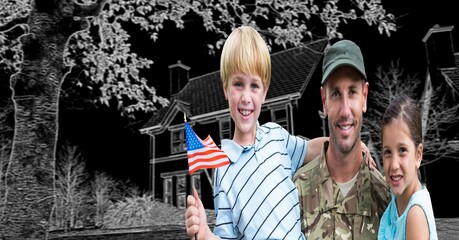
(326, 214)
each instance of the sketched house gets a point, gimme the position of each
(293, 101)
(442, 65)
(442, 61)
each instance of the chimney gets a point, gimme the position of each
(178, 77)
(439, 47)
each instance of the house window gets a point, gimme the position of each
(178, 141)
(167, 190)
(181, 191)
(175, 187)
(280, 116)
(225, 128)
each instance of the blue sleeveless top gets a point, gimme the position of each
(393, 226)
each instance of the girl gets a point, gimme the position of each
(409, 214)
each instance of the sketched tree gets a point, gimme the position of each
(5, 151)
(72, 190)
(6, 131)
(104, 188)
(42, 41)
(441, 114)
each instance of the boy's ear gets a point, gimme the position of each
(226, 94)
(265, 93)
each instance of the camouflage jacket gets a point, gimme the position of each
(326, 214)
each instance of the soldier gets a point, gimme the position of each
(340, 196)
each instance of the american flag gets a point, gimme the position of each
(203, 153)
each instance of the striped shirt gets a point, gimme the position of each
(254, 196)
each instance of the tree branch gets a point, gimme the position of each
(11, 24)
(88, 10)
(16, 31)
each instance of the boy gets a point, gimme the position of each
(254, 196)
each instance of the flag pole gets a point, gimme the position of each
(191, 185)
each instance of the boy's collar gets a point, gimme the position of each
(233, 150)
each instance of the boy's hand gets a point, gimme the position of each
(369, 159)
(195, 218)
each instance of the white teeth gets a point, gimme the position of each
(396, 178)
(345, 127)
(245, 112)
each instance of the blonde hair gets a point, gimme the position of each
(246, 52)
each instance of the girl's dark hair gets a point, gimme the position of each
(405, 108)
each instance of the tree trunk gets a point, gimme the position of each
(29, 192)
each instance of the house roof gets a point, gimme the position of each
(203, 96)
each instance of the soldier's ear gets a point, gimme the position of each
(323, 96)
(365, 95)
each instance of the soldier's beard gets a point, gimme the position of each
(343, 146)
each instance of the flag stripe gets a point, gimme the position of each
(206, 160)
(203, 165)
(216, 162)
(204, 152)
